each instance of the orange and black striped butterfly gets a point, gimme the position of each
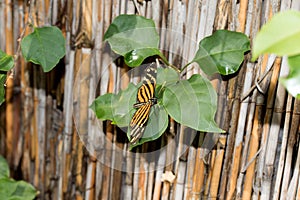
(145, 100)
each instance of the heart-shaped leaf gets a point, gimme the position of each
(192, 103)
(292, 81)
(281, 35)
(133, 37)
(116, 107)
(6, 61)
(44, 46)
(222, 52)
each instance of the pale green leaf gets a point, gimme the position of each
(281, 35)
(192, 103)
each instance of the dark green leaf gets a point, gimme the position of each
(44, 46)
(156, 125)
(4, 169)
(281, 35)
(137, 56)
(116, 107)
(192, 103)
(2, 88)
(292, 81)
(133, 37)
(15, 190)
(6, 61)
(222, 52)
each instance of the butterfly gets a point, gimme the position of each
(145, 100)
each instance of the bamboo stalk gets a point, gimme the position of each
(253, 147)
(198, 177)
(279, 106)
(289, 152)
(240, 134)
(283, 156)
(190, 44)
(143, 179)
(211, 163)
(242, 15)
(169, 167)
(78, 168)
(189, 173)
(151, 178)
(232, 107)
(9, 141)
(266, 64)
(128, 182)
(246, 148)
(217, 169)
(179, 190)
(160, 165)
(136, 175)
(115, 174)
(90, 179)
(273, 134)
(291, 192)
(298, 190)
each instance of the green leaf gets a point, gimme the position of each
(16, 190)
(222, 52)
(137, 56)
(292, 81)
(2, 88)
(156, 125)
(102, 106)
(6, 61)
(192, 103)
(165, 76)
(133, 37)
(44, 46)
(281, 35)
(4, 169)
(116, 107)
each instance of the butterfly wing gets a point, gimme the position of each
(138, 123)
(145, 99)
(146, 91)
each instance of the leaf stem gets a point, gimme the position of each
(185, 66)
(164, 59)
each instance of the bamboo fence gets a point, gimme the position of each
(52, 139)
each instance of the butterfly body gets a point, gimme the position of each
(151, 101)
(145, 100)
